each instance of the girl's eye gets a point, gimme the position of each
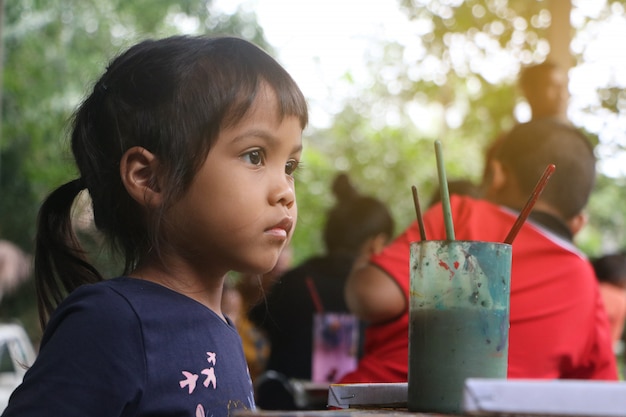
(291, 166)
(255, 157)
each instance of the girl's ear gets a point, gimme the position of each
(139, 173)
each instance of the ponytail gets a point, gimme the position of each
(60, 263)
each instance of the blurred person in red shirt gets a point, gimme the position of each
(558, 324)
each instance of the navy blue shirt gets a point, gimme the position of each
(128, 347)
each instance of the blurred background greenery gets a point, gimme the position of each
(55, 49)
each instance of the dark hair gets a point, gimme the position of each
(458, 187)
(611, 269)
(354, 219)
(530, 147)
(172, 97)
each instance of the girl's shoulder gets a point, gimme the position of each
(102, 304)
(131, 307)
(124, 296)
(112, 295)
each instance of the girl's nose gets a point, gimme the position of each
(284, 191)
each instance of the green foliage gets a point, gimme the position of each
(438, 85)
(446, 71)
(17, 198)
(54, 51)
(606, 229)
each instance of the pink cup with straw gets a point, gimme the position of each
(335, 341)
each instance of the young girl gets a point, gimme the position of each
(188, 147)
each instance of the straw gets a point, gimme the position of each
(314, 295)
(530, 203)
(443, 189)
(418, 213)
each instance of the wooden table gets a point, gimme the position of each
(348, 412)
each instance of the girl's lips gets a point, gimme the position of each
(282, 228)
(278, 232)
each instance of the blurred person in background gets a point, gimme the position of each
(544, 86)
(610, 270)
(558, 325)
(15, 267)
(241, 294)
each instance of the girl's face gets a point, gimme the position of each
(240, 210)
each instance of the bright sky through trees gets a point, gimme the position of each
(318, 41)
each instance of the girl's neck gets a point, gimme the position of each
(205, 289)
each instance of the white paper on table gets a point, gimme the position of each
(544, 397)
(377, 394)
